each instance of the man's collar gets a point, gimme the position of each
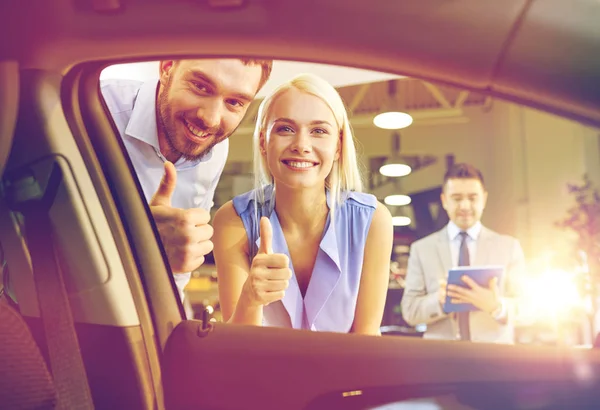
(473, 232)
(142, 124)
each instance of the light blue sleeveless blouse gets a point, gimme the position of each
(330, 299)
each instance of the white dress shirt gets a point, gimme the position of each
(455, 241)
(133, 108)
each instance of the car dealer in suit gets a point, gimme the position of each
(463, 242)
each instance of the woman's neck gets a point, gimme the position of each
(301, 210)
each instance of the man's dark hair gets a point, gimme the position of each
(463, 171)
(266, 66)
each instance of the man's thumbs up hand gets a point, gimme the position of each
(166, 188)
(185, 233)
(270, 272)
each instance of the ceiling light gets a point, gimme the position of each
(392, 120)
(395, 165)
(397, 200)
(391, 116)
(401, 221)
(395, 170)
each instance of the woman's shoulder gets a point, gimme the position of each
(359, 199)
(251, 199)
(229, 229)
(225, 215)
(241, 202)
(359, 203)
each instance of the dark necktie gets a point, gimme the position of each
(464, 260)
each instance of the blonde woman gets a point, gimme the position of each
(305, 249)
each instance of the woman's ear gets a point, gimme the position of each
(165, 70)
(262, 144)
(338, 151)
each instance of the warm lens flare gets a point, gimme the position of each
(550, 297)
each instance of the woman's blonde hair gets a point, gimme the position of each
(345, 175)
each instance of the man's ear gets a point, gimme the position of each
(166, 70)
(443, 199)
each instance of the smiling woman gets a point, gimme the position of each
(299, 269)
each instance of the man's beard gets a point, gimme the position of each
(186, 149)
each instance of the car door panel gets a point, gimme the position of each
(114, 346)
(235, 367)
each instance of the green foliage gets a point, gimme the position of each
(584, 219)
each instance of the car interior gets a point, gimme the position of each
(99, 323)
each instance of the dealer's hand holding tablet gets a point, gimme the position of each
(484, 298)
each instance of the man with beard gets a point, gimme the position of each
(175, 130)
(463, 242)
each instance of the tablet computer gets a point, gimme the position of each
(480, 274)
